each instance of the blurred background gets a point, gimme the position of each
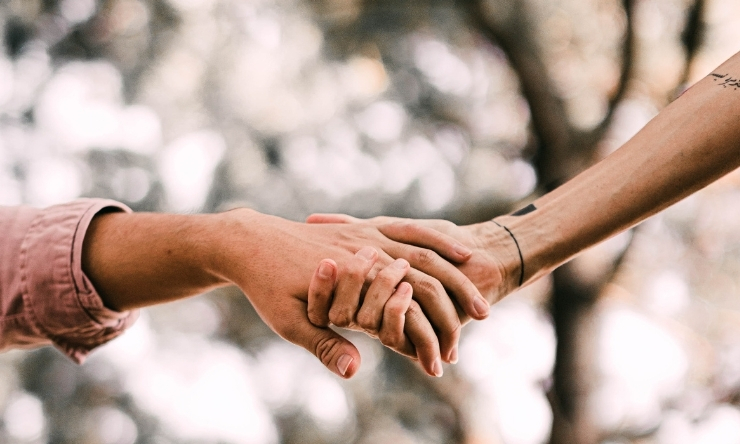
(419, 108)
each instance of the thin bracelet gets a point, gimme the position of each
(521, 258)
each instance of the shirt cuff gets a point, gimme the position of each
(62, 302)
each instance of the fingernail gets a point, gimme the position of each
(481, 306)
(343, 364)
(367, 253)
(325, 270)
(400, 264)
(437, 367)
(462, 250)
(453, 356)
(404, 288)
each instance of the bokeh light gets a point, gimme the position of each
(402, 108)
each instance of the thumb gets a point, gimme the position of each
(338, 354)
(331, 219)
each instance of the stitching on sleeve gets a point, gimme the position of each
(32, 317)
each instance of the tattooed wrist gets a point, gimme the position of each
(526, 210)
(518, 249)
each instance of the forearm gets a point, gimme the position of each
(691, 143)
(135, 260)
(142, 259)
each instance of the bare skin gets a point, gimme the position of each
(137, 260)
(691, 143)
(387, 304)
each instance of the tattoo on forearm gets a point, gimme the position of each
(521, 258)
(725, 80)
(520, 212)
(526, 210)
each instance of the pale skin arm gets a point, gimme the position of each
(142, 259)
(691, 143)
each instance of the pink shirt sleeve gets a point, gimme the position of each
(45, 298)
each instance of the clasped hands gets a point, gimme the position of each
(412, 284)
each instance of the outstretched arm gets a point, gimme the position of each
(691, 143)
(136, 260)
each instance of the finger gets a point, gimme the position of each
(422, 335)
(438, 308)
(349, 287)
(338, 354)
(409, 232)
(380, 291)
(331, 219)
(321, 291)
(453, 280)
(394, 318)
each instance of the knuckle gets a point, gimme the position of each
(390, 340)
(316, 319)
(413, 228)
(355, 272)
(425, 257)
(430, 286)
(454, 332)
(385, 279)
(325, 347)
(426, 346)
(448, 328)
(426, 342)
(463, 284)
(340, 317)
(414, 312)
(367, 322)
(394, 311)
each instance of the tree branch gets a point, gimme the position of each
(692, 37)
(512, 32)
(591, 138)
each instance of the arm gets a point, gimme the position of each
(45, 298)
(691, 143)
(135, 260)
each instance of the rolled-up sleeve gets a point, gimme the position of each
(45, 296)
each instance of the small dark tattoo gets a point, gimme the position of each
(526, 210)
(518, 249)
(725, 80)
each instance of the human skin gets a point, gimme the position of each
(141, 259)
(694, 141)
(387, 302)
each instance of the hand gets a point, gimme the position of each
(387, 305)
(493, 267)
(274, 271)
(386, 311)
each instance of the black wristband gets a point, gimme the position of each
(521, 258)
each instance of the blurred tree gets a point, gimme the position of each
(557, 147)
(419, 108)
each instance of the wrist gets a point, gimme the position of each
(518, 250)
(542, 241)
(230, 238)
(245, 247)
(202, 246)
(500, 247)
